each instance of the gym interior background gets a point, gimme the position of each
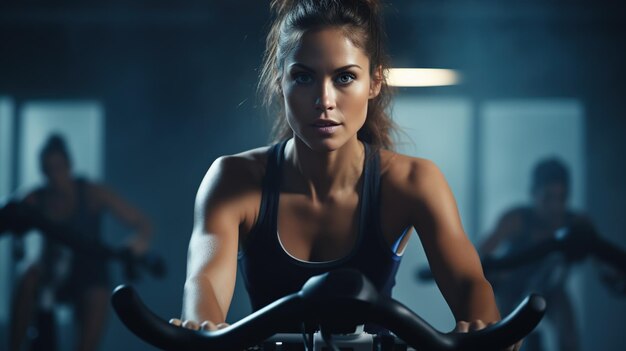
(149, 93)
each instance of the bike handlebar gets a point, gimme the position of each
(335, 300)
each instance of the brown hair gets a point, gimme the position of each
(361, 22)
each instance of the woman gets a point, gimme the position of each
(330, 193)
(76, 277)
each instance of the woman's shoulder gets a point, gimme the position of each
(235, 173)
(408, 171)
(249, 164)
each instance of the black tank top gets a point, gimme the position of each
(270, 272)
(82, 220)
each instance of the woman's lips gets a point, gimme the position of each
(326, 129)
(325, 126)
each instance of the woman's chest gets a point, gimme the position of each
(328, 231)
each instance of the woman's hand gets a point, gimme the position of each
(464, 327)
(193, 325)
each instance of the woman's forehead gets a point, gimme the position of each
(326, 47)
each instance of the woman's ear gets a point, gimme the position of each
(376, 82)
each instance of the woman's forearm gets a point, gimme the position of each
(476, 302)
(200, 302)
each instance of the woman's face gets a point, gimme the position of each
(326, 85)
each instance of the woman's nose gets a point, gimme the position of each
(326, 99)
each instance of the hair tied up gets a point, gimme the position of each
(374, 5)
(280, 7)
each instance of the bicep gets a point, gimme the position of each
(453, 259)
(451, 255)
(213, 246)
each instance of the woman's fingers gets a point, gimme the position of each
(477, 325)
(189, 324)
(462, 327)
(208, 325)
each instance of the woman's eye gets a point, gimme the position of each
(345, 78)
(302, 78)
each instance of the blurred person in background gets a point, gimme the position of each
(61, 275)
(524, 226)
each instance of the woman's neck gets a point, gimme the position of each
(325, 174)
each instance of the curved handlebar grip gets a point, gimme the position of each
(157, 332)
(509, 330)
(416, 332)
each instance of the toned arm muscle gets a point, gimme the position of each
(452, 257)
(212, 254)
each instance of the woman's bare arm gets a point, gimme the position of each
(212, 255)
(452, 257)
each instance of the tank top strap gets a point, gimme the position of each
(271, 189)
(370, 209)
(278, 155)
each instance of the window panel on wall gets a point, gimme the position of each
(6, 178)
(439, 129)
(81, 123)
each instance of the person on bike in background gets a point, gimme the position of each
(524, 226)
(74, 277)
